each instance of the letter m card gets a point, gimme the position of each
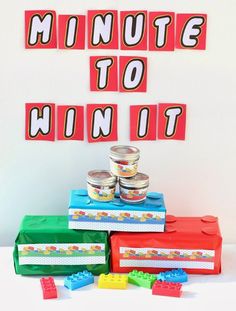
(171, 121)
(40, 30)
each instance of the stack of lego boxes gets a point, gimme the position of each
(141, 236)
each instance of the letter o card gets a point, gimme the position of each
(133, 74)
(40, 30)
(133, 30)
(171, 121)
(103, 29)
(70, 125)
(40, 122)
(101, 122)
(103, 73)
(71, 32)
(161, 31)
(143, 122)
(191, 31)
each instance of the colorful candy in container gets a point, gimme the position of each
(124, 160)
(134, 189)
(101, 185)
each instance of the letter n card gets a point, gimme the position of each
(101, 122)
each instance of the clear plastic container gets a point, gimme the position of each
(124, 160)
(134, 189)
(101, 185)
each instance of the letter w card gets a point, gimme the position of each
(40, 30)
(171, 121)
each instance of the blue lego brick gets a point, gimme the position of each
(174, 276)
(78, 280)
(147, 216)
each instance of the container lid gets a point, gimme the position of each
(139, 180)
(101, 178)
(124, 152)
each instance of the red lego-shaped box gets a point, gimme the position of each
(191, 243)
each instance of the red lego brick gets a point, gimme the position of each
(164, 288)
(191, 243)
(49, 288)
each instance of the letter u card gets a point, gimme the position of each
(133, 30)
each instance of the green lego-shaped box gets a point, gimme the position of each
(45, 246)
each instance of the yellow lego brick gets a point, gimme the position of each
(113, 281)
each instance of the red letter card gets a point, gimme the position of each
(70, 124)
(191, 31)
(133, 74)
(40, 122)
(71, 34)
(161, 31)
(103, 73)
(171, 121)
(143, 122)
(133, 30)
(101, 122)
(40, 30)
(103, 29)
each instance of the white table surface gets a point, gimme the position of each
(201, 292)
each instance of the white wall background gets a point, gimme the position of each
(197, 176)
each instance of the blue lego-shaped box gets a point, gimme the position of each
(174, 276)
(148, 216)
(78, 280)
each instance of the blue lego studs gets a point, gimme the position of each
(78, 280)
(174, 276)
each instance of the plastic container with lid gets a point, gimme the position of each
(124, 160)
(101, 185)
(134, 189)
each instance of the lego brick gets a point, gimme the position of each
(45, 246)
(84, 213)
(49, 288)
(141, 279)
(113, 281)
(191, 243)
(167, 289)
(174, 276)
(78, 280)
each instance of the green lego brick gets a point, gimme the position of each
(141, 279)
(54, 230)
